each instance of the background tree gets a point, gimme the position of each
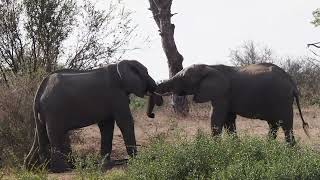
(40, 34)
(316, 22)
(100, 36)
(316, 15)
(11, 42)
(250, 53)
(161, 10)
(49, 23)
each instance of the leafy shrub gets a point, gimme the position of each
(137, 103)
(226, 158)
(117, 175)
(88, 167)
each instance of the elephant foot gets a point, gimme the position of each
(59, 163)
(292, 143)
(59, 169)
(58, 166)
(112, 163)
(132, 151)
(107, 165)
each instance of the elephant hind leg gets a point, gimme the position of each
(289, 137)
(273, 129)
(287, 126)
(43, 142)
(38, 154)
(230, 124)
(67, 150)
(58, 159)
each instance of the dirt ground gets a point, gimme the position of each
(167, 122)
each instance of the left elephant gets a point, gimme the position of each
(71, 99)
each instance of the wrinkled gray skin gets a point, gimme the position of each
(72, 99)
(260, 91)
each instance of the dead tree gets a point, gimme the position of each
(161, 10)
(316, 45)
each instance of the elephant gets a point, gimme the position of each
(259, 91)
(72, 99)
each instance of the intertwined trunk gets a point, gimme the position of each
(161, 10)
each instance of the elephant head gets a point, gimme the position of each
(203, 81)
(135, 78)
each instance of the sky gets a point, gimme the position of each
(206, 31)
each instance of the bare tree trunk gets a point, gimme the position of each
(161, 10)
(4, 76)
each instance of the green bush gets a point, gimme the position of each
(225, 158)
(88, 167)
(137, 103)
(117, 175)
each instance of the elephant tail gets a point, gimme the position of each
(305, 125)
(39, 121)
(33, 158)
(36, 101)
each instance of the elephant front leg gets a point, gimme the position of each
(219, 116)
(106, 130)
(125, 122)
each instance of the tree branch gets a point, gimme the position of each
(314, 44)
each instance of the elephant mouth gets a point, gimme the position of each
(182, 93)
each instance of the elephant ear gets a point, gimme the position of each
(131, 78)
(212, 85)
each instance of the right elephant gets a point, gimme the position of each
(258, 91)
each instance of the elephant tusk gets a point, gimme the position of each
(164, 94)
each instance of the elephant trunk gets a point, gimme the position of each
(165, 88)
(154, 99)
(151, 85)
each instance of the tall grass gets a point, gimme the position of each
(16, 119)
